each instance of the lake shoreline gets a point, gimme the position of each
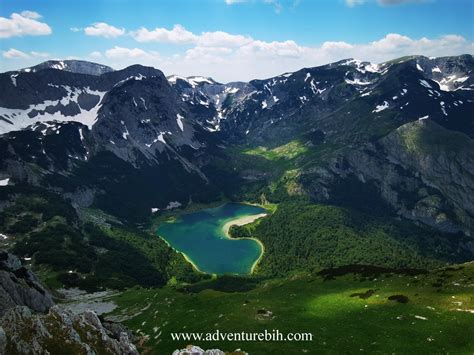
(186, 257)
(241, 221)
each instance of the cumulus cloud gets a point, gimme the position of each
(31, 14)
(102, 29)
(177, 35)
(220, 38)
(13, 53)
(129, 53)
(214, 53)
(260, 59)
(180, 35)
(24, 24)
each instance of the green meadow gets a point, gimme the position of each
(350, 313)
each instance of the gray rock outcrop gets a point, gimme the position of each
(61, 330)
(20, 287)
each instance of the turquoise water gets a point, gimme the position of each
(201, 237)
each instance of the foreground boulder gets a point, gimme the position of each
(60, 331)
(20, 287)
(30, 323)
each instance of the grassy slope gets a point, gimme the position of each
(339, 323)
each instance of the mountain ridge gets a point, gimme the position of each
(160, 128)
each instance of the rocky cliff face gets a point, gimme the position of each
(95, 136)
(20, 287)
(421, 170)
(31, 323)
(73, 66)
(85, 134)
(60, 331)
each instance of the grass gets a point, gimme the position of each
(287, 151)
(428, 137)
(306, 303)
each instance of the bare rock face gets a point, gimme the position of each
(20, 287)
(30, 323)
(60, 331)
(421, 170)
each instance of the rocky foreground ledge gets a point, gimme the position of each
(30, 323)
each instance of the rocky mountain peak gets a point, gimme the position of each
(73, 66)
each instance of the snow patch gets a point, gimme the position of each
(425, 84)
(17, 119)
(382, 107)
(443, 108)
(357, 82)
(13, 79)
(135, 77)
(4, 182)
(179, 121)
(125, 134)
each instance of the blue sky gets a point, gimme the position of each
(256, 38)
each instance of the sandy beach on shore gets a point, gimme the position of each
(240, 222)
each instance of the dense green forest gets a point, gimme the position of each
(303, 236)
(44, 227)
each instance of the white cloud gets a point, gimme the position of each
(210, 54)
(220, 38)
(24, 24)
(271, 49)
(177, 35)
(250, 58)
(13, 53)
(102, 29)
(180, 35)
(129, 53)
(31, 14)
(230, 57)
